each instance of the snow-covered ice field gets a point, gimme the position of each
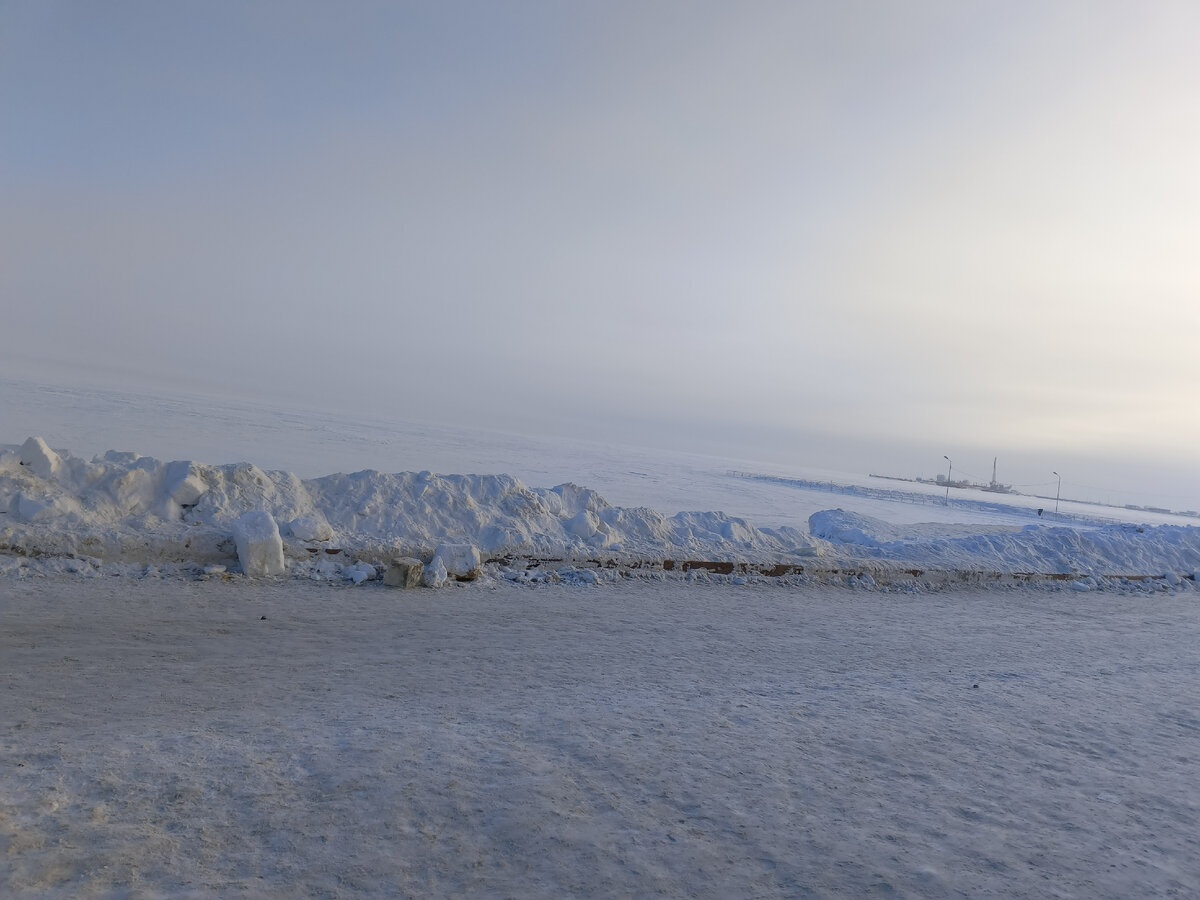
(653, 738)
(89, 421)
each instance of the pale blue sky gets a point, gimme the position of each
(868, 233)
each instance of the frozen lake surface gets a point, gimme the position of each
(89, 421)
(231, 739)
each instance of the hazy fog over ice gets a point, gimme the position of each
(854, 234)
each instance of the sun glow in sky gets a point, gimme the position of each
(856, 233)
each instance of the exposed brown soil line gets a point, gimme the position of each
(881, 574)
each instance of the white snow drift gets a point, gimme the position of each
(126, 508)
(1107, 550)
(122, 506)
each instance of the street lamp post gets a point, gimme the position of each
(1058, 494)
(949, 469)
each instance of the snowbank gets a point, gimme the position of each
(122, 506)
(126, 508)
(1101, 550)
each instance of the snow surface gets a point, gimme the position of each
(654, 738)
(579, 718)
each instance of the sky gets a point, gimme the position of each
(856, 234)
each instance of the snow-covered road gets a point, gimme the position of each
(176, 738)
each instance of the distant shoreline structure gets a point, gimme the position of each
(997, 488)
(940, 481)
(994, 487)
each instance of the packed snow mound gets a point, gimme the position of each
(123, 505)
(259, 547)
(1045, 549)
(855, 528)
(852, 528)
